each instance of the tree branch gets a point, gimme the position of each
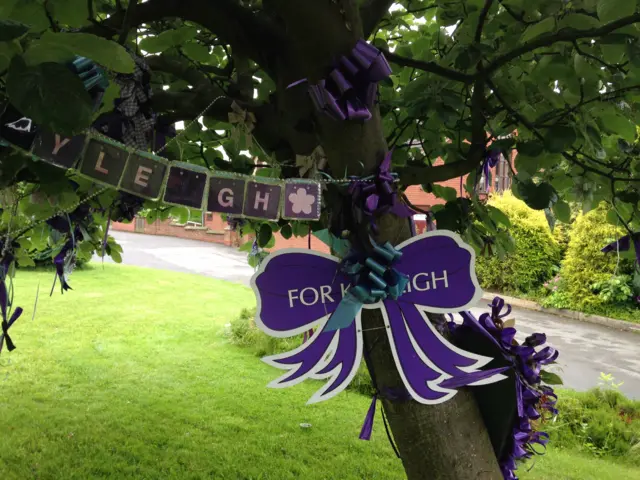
(253, 35)
(565, 35)
(482, 19)
(371, 12)
(430, 67)
(126, 24)
(417, 175)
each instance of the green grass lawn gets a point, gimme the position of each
(130, 376)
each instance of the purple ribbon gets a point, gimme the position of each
(624, 245)
(374, 197)
(350, 89)
(367, 426)
(4, 304)
(491, 160)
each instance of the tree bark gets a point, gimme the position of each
(447, 441)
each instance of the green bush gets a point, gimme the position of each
(537, 252)
(245, 333)
(590, 280)
(601, 422)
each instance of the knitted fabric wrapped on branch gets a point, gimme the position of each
(350, 89)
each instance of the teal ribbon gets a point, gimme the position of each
(376, 280)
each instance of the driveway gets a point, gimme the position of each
(586, 350)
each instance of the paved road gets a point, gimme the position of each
(586, 350)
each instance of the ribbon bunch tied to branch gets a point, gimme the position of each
(349, 91)
(374, 280)
(526, 360)
(375, 196)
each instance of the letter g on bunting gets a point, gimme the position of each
(298, 290)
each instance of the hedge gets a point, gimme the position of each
(585, 265)
(537, 252)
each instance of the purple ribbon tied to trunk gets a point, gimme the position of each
(376, 195)
(299, 289)
(350, 89)
(527, 360)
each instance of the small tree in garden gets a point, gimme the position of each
(558, 81)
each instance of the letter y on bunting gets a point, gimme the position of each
(298, 290)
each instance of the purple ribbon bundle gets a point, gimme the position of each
(533, 398)
(350, 89)
(491, 160)
(375, 196)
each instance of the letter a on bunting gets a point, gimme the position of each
(298, 290)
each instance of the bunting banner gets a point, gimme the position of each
(112, 164)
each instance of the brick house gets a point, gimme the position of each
(212, 228)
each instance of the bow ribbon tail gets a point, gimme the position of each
(348, 308)
(367, 426)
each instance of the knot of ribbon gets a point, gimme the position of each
(376, 195)
(350, 89)
(374, 279)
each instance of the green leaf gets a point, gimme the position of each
(545, 26)
(264, 235)
(115, 255)
(105, 52)
(7, 51)
(51, 95)
(610, 10)
(196, 52)
(537, 197)
(111, 94)
(559, 138)
(286, 232)
(562, 211)
(550, 378)
(447, 193)
(74, 13)
(578, 21)
(619, 124)
(498, 216)
(530, 149)
(168, 39)
(246, 247)
(10, 30)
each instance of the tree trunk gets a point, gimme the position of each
(447, 441)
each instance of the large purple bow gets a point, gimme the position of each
(299, 289)
(349, 91)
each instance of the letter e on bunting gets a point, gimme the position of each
(144, 175)
(298, 290)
